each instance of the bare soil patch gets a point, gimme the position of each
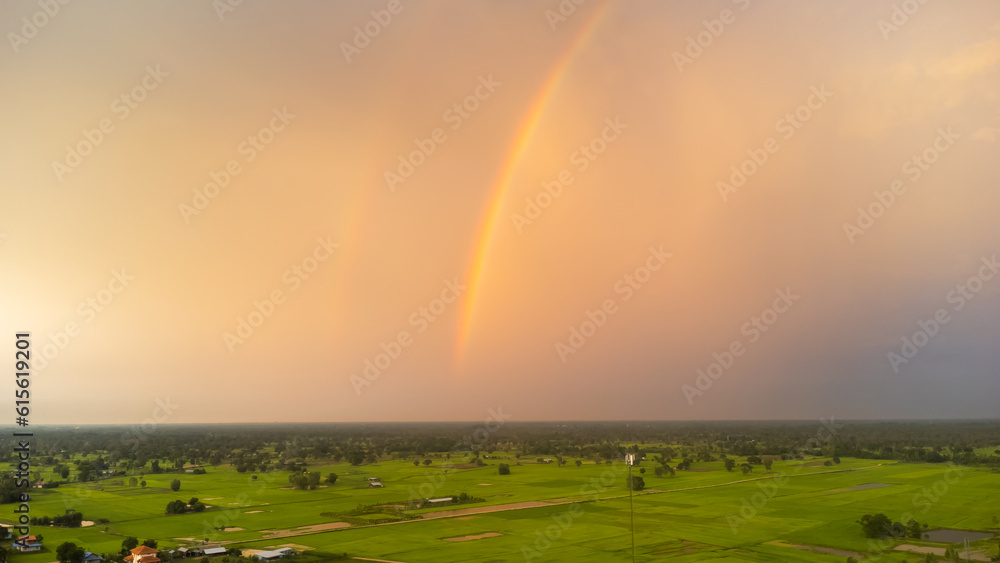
(475, 537)
(273, 534)
(483, 509)
(253, 512)
(939, 551)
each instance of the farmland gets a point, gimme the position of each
(800, 510)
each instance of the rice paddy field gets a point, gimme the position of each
(798, 511)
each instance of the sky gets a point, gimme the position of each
(428, 211)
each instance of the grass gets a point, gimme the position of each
(714, 515)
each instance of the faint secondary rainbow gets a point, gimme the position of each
(525, 132)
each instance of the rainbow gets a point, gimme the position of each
(498, 192)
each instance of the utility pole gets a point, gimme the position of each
(630, 461)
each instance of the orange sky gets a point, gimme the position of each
(455, 198)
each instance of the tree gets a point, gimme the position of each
(68, 552)
(299, 481)
(175, 485)
(913, 530)
(768, 463)
(663, 471)
(193, 501)
(875, 525)
(836, 459)
(142, 483)
(730, 464)
(64, 473)
(503, 469)
(746, 468)
(635, 483)
(416, 463)
(132, 481)
(198, 507)
(579, 463)
(176, 507)
(427, 462)
(827, 463)
(331, 478)
(150, 543)
(128, 544)
(312, 479)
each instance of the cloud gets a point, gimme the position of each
(969, 61)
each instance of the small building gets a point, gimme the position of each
(274, 554)
(215, 551)
(40, 484)
(89, 557)
(143, 554)
(375, 483)
(440, 501)
(26, 544)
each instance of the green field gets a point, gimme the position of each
(708, 514)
